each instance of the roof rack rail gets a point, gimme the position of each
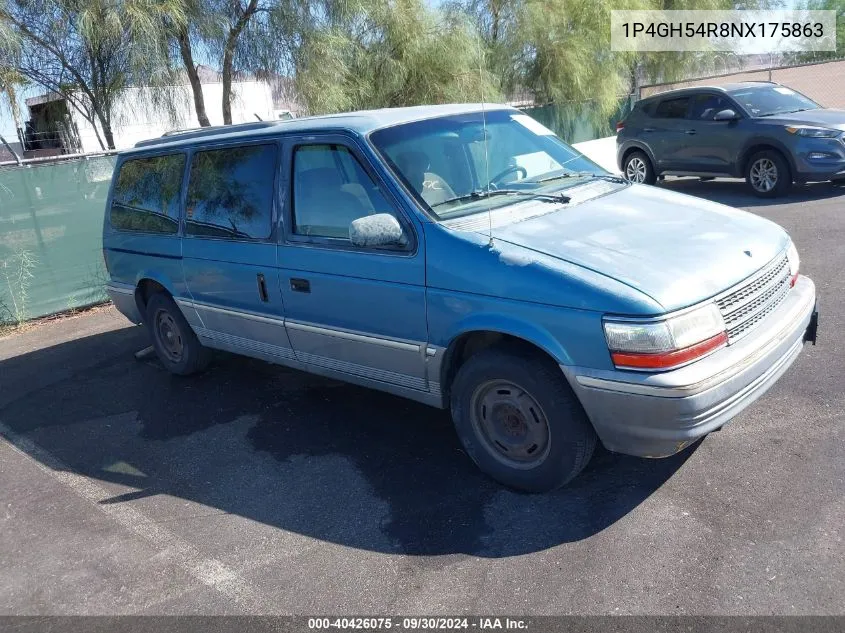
(199, 132)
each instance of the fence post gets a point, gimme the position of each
(9, 147)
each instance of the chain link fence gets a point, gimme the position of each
(823, 82)
(51, 217)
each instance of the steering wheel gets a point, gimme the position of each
(513, 169)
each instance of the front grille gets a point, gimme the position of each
(745, 308)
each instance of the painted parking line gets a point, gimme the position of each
(172, 548)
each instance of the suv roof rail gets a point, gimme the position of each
(199, 132)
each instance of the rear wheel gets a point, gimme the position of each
(175, 343)
(768, 175)
(638, 168)
(519, 420)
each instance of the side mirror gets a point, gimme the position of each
(381, 229)
(725, 115)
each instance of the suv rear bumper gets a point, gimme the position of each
(657, 415)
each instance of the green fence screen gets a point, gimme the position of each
(51, 219)
(579, 122)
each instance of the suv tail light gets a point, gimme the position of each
(620, 126)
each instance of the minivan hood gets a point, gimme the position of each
(823, 117)
(677, 249)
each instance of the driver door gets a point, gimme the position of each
(355, 310)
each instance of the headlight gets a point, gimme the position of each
(813, 132)
(667, 343)
(794, 263)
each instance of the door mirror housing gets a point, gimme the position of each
(381, 229)
(726, 115)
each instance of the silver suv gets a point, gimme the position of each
(767, 133)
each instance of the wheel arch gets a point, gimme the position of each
(483, 334)
(760, 145)
(146, 285)
(641, 147)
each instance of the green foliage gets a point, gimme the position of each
(17, 273)
(388, 53)
(826, 5)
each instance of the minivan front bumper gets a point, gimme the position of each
(657, 415)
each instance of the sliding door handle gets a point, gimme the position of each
(300, 285)
(262, 288)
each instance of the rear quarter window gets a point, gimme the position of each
(146, 194)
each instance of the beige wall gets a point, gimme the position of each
(823, 82)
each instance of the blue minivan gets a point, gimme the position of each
(465, 257)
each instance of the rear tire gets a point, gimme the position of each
(638, 168)
(768, 174)
(175, 343)
(519, 420)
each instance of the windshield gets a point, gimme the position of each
(445, 163)
(770, 100)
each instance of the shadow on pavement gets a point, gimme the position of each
(736, 193)
(299, 452)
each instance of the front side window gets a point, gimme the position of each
(146, 194)
(330, 190)
(672, 108)
(770, 100)
(230, 192)
(706, 107)
(452, 163)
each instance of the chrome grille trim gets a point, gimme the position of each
(745, 307)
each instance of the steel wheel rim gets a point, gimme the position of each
(169, 335)
(510, 423)
(635, 171)
(764, 175)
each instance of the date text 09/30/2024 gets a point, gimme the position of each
(418, 623)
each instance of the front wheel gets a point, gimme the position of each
(768, 174)
(519, 420)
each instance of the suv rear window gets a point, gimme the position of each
(146, 194)
(230, 192)
(672, 108)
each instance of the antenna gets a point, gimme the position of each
(484, 132)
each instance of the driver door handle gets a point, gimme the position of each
(690, 132)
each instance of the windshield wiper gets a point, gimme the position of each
(785, 112)
(479, 194)
(579, 174)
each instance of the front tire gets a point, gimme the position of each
(175, 343)
(768, 175)
(638, 168)
(519, 420)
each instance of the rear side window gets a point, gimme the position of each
(672, 108)
(146, 194)
(230, 192)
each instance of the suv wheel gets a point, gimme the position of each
(519, 420)
(638, 168)
(768, 174)
(175, 343)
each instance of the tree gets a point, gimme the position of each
(90, 52)
(387, 53)
(825, 5)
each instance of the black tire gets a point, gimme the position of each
(569, 437)
(759, 170)
(638, 168)
(169, 332)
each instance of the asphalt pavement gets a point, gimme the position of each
(257, 489)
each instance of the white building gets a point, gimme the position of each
(55, 125)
